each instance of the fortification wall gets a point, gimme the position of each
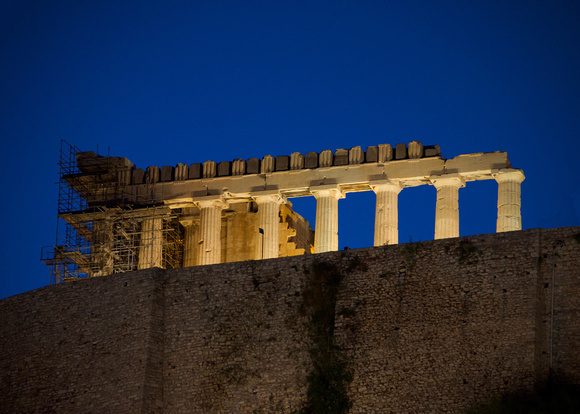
(434, 326)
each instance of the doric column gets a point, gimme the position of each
(151, 244)
(268, 220)
(326, 227)
(447, 210)
(210, 248)
(387, 213)
(509, 217)
(190, 240)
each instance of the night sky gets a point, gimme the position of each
(172, 82)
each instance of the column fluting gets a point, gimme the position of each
(210, 250)
(447, 209)
(326, 227)
(509, 217)
(387, 213)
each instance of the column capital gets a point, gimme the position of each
(447, 180)
(210, 201)
(187, 221)
(327, 190)
(386, 185)
(508, 174)
(273, 196)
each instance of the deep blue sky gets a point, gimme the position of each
(186, 81)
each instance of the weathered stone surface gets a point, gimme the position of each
(401, 151)
(385, 152)
(311, 160)
(356, 156)
(415, 150)
(372, 154)
(325, 159)
(268, 164)
(195, 171)
(239, 167)
(138, 176)
(166, 173)
(253, 166)
(340, 157)
(209, 169)
(152, 174)
(124, 177)
(224, 169)
(282, 163)
(296, 161)
(88, 161)
(181, 172)
(474, 313)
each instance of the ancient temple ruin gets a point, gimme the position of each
(119, 218)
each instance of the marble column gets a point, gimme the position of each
(190, 240)
(509, 217)
(268, 245)
(387, 213)
(326, 227)
(210, 249)
(447, 209)
(151, 244)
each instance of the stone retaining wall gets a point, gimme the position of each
(433, 326)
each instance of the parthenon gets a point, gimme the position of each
(122, 218)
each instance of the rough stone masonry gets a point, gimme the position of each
(435, 326)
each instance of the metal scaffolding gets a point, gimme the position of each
(98, 232)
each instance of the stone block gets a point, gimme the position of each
(124, 177)
(253, 166)
(181, 172)
(152, 174)
(415, 150)
(296, 161)
(432, 151)
(138, 176)
(239, 167)
(401, 151)
(311, 160)
(282, 163)
(325, 159)
(209, 169)
(385, 153)
(268, 164)
(224, 169)
(372, 154)
(195, 171)
(356, 155)
(166, 173)
(340, 157)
